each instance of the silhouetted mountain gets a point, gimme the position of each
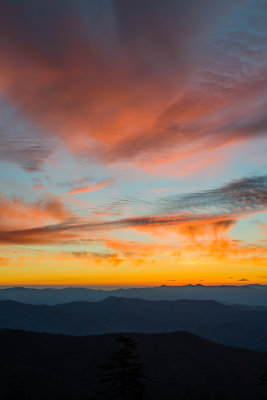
(247, 294)
(178, 366)
(43, 318)
(234, 325)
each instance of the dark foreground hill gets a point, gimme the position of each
(178, 366)
(240, 326)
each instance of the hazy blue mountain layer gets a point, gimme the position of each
(235, 325)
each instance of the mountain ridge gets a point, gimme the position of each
(176, 364)
(249, 294)
(237, 325)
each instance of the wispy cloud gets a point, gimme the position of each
(21, 142)
(243, 196)
(118, 91)
(219, 208)
(91, 188)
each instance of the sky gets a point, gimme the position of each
(133, 142)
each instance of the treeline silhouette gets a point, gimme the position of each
(173, 366)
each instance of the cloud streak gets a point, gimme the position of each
(192, 213)
(90, 188)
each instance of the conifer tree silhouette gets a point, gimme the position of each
(122, 376)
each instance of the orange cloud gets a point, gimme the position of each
(15, 213)
(201, 214)
(214, 230)
(20, 222)
(91, 188)
(113, 259)
(113, 96)
(137, 248)
(4, 261)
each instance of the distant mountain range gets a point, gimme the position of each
(246, 294)
(177, 365)
(235, 325)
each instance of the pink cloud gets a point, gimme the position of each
(91, 188)
(17, 214)
(123, 93)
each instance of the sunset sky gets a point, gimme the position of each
(133, 142)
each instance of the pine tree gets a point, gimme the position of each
(122, 376)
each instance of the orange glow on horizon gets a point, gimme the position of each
(119, 270)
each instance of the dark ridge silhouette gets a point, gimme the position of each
(240, 326)
(252, 294)
(180, 365)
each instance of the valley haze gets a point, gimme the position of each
(251, 294)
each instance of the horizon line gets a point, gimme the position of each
(124, 287)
